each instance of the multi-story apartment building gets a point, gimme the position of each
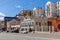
(26, 19)
(27, 25)
(52, 9)
(58, 8)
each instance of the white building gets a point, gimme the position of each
(58, 8)
(50, 9)
(27, 23)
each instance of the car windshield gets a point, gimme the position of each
(24, 29)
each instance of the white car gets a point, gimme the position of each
(24, 30)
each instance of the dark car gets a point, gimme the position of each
(14, 30)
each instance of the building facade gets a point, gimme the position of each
(58, 8)
(40, 20)
(13, 25)
(55, 23)
(50, 9)
(27, 24)
(6, 19)
(38, 11)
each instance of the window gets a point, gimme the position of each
(49, 23)
(39, 24)
(45, 23)
(36, 23)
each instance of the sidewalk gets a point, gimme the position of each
(56, 33)
(52, 33)
(37, 32)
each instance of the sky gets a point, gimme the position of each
(13, 7)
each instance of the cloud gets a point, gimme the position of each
(1, 18)
(18, 6)
(2, 15)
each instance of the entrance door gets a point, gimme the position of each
(58, 27)
(50, 26)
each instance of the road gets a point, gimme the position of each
(19, 36)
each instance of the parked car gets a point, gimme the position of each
(1, 30)
(24, 30)
(14, 30)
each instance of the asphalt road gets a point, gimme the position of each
(19, 36)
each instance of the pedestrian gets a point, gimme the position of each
(33, 30)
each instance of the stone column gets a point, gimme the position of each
(52, 29)
(34, 28)
(49, 28)
(42, 28)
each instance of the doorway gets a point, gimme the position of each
(58, 27)
(50, 26)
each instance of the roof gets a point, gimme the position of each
(9, 18)
(14, 22)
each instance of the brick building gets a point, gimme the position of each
(55, 23)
